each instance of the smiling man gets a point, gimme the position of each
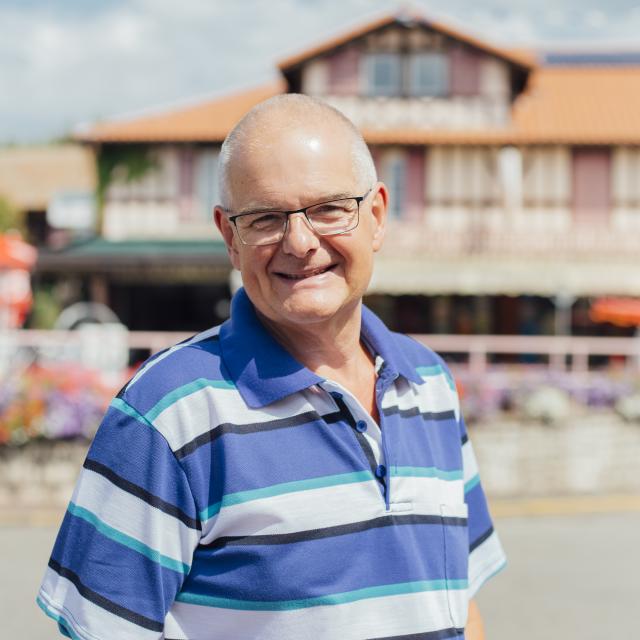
(299, 471)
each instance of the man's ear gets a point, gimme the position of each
(229, 237)
(379, 208)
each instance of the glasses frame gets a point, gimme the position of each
(359, 199)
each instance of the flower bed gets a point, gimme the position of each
(53, 402)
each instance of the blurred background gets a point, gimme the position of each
(509, 136)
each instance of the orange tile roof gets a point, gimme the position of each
(522, 59)
(207, 121)
(561, 105)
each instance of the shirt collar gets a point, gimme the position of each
(264, 371)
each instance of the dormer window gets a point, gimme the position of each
(408, 74)
(428, 74)
(384, 74)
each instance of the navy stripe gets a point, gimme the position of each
(481, 539)
(442, 634)
(371, 558)
(253, 427)
(143, 494)
(437, 416)
(339, 530)
(105, 603)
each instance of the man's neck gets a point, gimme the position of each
(334, 351)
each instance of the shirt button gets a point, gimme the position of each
(361, 426)
(381, 471)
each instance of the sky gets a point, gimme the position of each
(68, 62)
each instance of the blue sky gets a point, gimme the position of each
(64, 62)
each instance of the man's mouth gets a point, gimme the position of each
(303, 275)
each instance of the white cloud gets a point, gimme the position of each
(60, 67)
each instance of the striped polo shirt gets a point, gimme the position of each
(232, 493)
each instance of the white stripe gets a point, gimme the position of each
(333, 506)
(469, 462)
(433, 396)
(134, 517)
(484, 561)
(88, 620)
(208, 408)
(176, 347)
(369, 618)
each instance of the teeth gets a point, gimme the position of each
(306, 275)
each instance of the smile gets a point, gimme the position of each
(306, 274)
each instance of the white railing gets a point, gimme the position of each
(560, 352)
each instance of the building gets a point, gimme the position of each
(514, 178)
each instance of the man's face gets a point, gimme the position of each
(305, 278)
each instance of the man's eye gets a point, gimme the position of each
(265, 221)
(327, 210)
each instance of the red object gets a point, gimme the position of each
(624, 312)
(16, 253)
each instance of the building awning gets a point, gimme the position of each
(505, 276)
(198, 261)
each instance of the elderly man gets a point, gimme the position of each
(300, 471)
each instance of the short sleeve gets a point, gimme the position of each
(486, 555)
(127, 539)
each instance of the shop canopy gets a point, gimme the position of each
(624, 312)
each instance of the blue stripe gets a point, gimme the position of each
(184, 391)
(318, 601)
(126, 540)
(115, 572)
(369, 557)
(285, 487)
(436, 370)
(63, 625)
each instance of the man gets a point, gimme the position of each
(299, 472)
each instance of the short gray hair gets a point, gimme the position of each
(300, 109)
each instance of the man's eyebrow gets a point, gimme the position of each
(262, 208)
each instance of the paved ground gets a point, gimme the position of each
(571, 576)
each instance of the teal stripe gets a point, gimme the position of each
(127, 541)
(318, 601)
(183, 391)
(59, 619)
(426, 472)
(436, 370)
(285, 487)
(121, 405)
(469, 484)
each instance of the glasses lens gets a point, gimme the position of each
(334, 217)
(261, 228)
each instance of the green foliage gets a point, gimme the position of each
(131, 162)
(9, 216)
(46, 309)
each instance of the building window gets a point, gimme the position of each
(384, 74)
(428, 74)
(394, 175)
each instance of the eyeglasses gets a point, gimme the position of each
(325, 218)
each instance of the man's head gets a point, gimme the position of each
(290, 152)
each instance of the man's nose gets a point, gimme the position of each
(299, 238)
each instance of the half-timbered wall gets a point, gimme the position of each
(463, 184)
(546, 187)
(412, 78)
(625, 162)
(175, 199)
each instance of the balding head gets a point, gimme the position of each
(279, 116)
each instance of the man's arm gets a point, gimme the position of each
(475, 628)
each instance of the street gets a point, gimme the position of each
(573, 577)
